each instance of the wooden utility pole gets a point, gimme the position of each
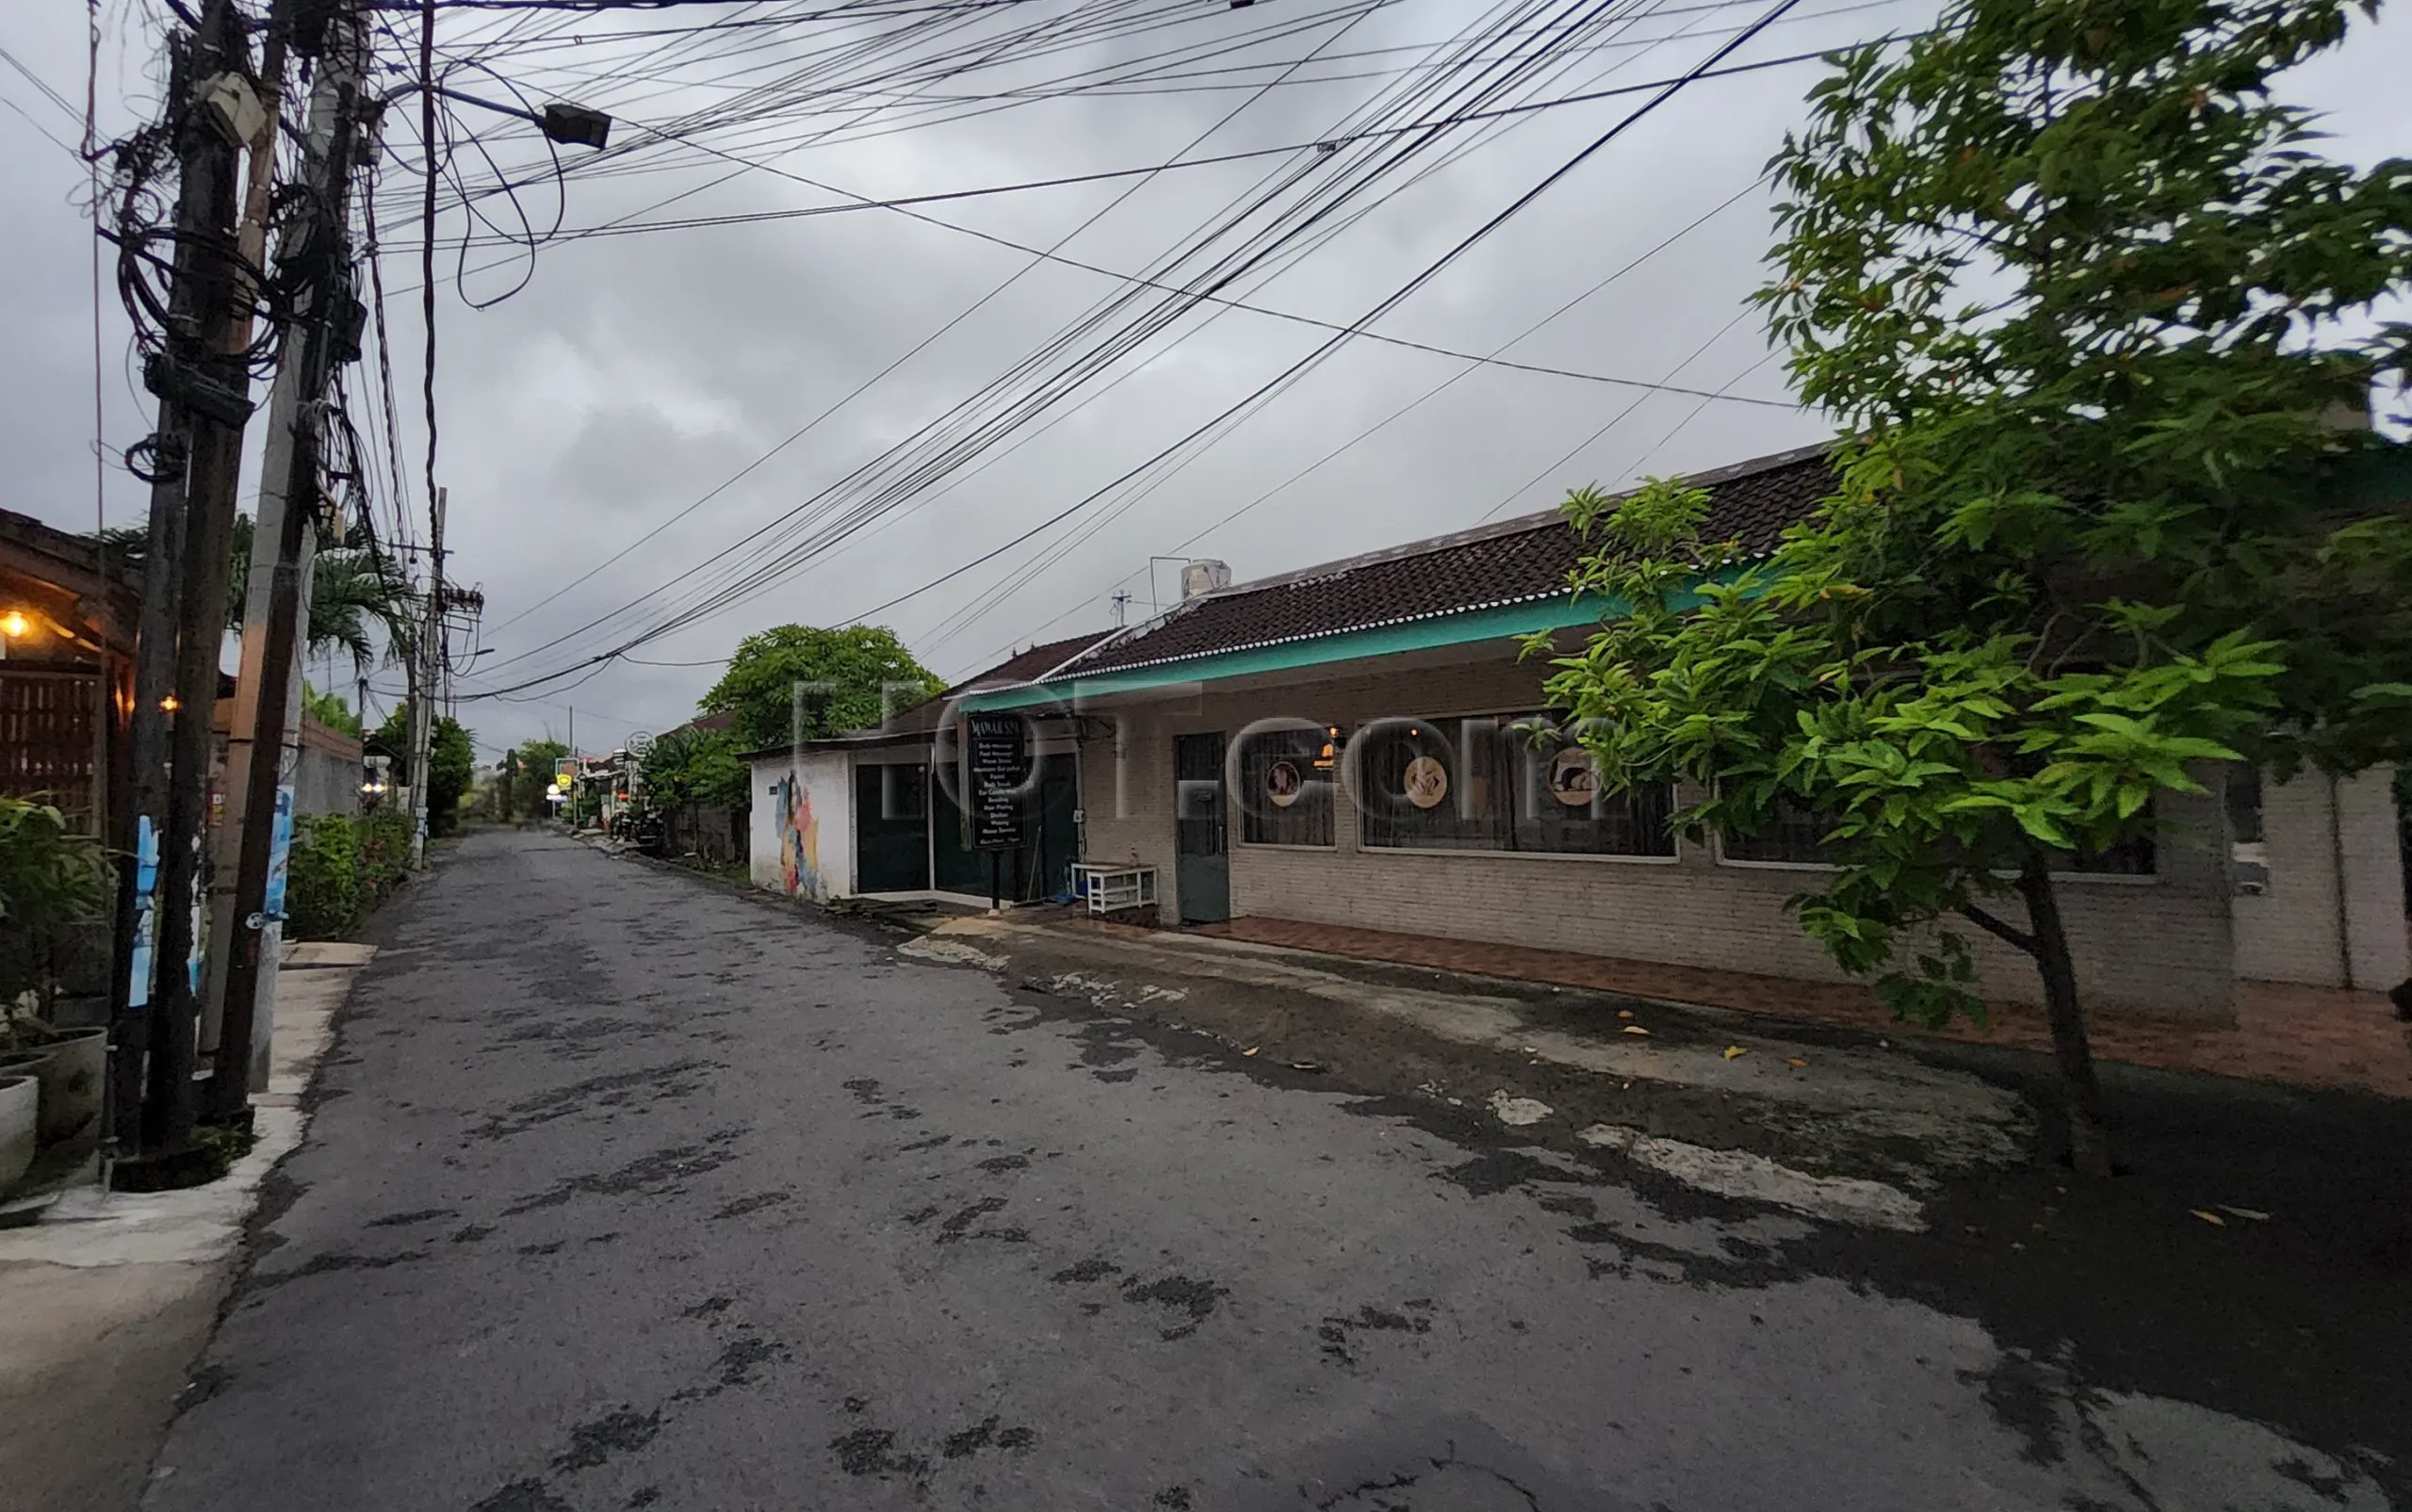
(198, 372)
(430, 665)
(264, 737)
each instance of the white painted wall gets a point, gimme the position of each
(2312, 836)
(762, 835)
(803, 837)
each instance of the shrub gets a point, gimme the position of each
(322, 886)
(342, 868)
(384, 854)
(53, 883)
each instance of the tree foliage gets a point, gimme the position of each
(330, 709)
(692, 766)
(54, 882)
(795, 682)
(452, 761)
(526, 771)
(2091, 307)
(359, 605)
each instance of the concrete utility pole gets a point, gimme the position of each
(264, 739)
(430, 662)
(202, 378)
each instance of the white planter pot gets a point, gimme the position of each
(20, 1110)
(71, 1084)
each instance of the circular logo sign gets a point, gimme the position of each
(1425, 782)
(640, 743)
(1283, 782)
(1572, 781)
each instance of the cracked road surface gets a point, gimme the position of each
(625, 1191)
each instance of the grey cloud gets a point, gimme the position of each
(635, 374)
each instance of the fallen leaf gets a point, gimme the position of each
(1252, 1049)
(1306, 1066)
(1733, 1050)
(1636, 1029)
(2209, 1217)
(2234, 1211)
(1625, 1013)
(1795, 1062)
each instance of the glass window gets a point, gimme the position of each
(1792, 834)
(2132, 857)
(1285, 785)
(1500, 783)
(1421, 785)
(1562, 809)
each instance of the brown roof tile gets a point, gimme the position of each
(1512, 562)
(1028, 666)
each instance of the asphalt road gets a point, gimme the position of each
(626, 1191)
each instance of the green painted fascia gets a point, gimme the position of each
(1554, 613)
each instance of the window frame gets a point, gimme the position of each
(1242, 797)
(2058, 872)
(1353, 764)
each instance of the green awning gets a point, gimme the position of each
(1500, 624)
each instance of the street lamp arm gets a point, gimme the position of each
(569, 125)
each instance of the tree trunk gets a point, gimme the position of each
(2089, 1144)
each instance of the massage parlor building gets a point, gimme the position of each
(1349, 744)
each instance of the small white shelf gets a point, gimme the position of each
(1109, 889)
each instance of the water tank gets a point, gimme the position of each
(1204, 577)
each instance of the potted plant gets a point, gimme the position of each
(55, 885)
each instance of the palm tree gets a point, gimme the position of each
(353, 591)
(357, 595)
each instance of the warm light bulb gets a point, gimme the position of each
(168, 703)
(13, 623)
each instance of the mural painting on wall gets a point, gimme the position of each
(799, 840)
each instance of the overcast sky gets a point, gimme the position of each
(635, 374)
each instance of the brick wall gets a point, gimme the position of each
(2160, 944)
(2290, 933)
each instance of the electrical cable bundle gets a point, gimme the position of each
(1294, 210)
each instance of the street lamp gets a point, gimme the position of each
(572, 126)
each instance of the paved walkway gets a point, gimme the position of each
(106, 1304)
(2304, 1036)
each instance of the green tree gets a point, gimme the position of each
(452, 762)
(796, 682)
(2090, 306)
(330, 710)
(691, 766)
(394, 734)
(533, 766)
(358, 597)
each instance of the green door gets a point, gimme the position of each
(1046, 866)
(891, 828)
(1201, 868)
